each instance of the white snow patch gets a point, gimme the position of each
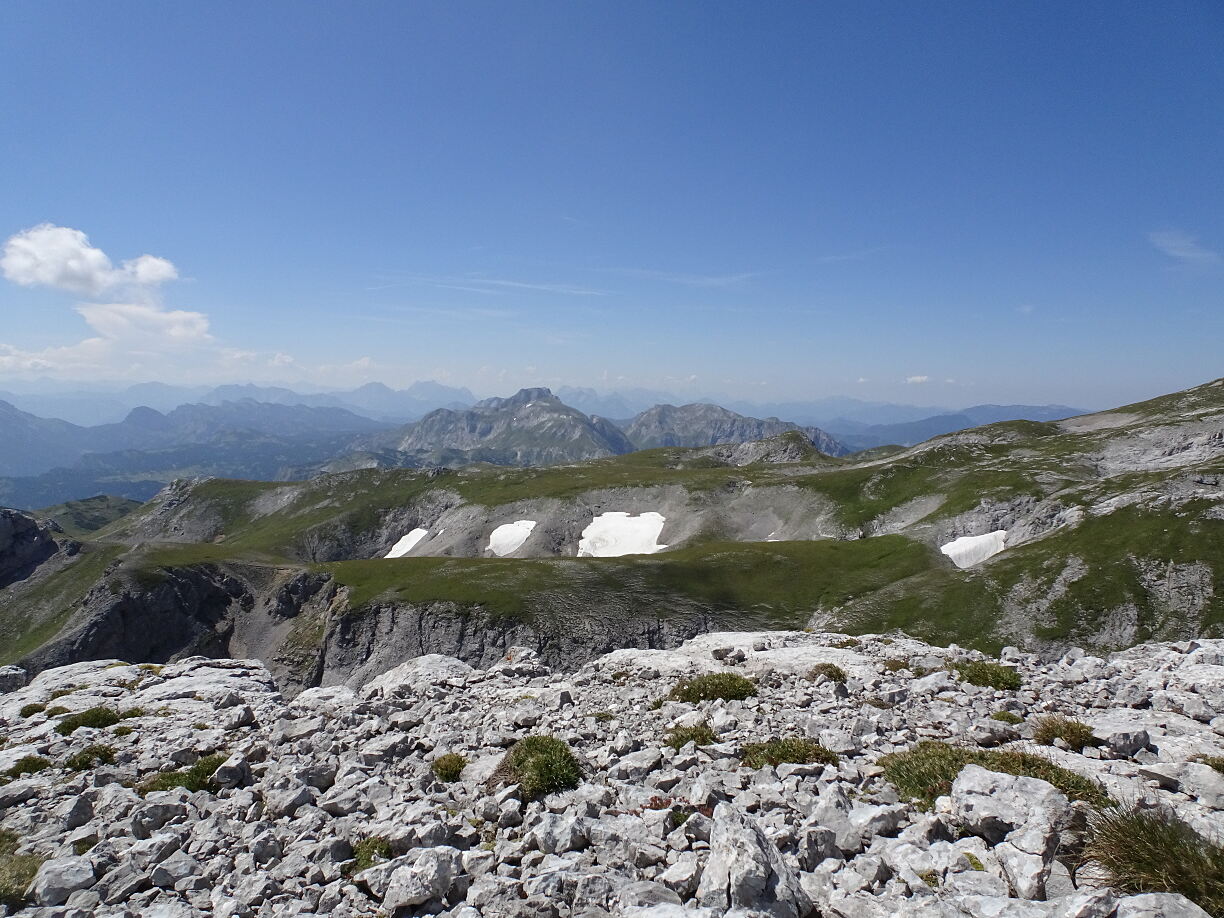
(970, 550)
(613, 534)
(509, 537)
(406, 544)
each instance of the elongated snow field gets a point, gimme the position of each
(613, 534)
(970, 550)
(509, 537)
(407, 543)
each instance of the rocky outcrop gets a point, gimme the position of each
(24, 545)
(711, 425)
(196, 789)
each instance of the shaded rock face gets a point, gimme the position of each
(24, 544)
(711, 425)
(300, 789)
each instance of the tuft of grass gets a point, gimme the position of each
(58, 711)
(1152, 851)
(60, 693)
(603, 716)
(1075, 733)
(29, 710)
(123, 730)
(16, 871)
(798, 750)
(893, 665)
(701, 734)
(1214, 761)
(28, 765)
(98, 717)
(991, 675)
(540, 765)
(725, 686)
(1007, 717)
(829, 671)
(974, 861)
(91, 757)
(83, 846)
(370, 851)
(196, 778)
(927, 769)
(448, 767)
(930, 878)
(845, 644)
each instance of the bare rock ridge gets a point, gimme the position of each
(24, 545)
(710, 425)
(740, 775)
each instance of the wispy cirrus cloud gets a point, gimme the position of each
(476, 283)
(1182, 247)
(686, 279)
(857, 255)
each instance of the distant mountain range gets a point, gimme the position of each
(274, 433)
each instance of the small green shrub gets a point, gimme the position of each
(845, 644)
(99, 718)
(725, 686)
(1007, 717)
(829, 671)
(448, 767)
(989, 675)
(893, 665)
(91, 757)
(877, 702)
(28, 765)
(131, 713)
(29, 710)
(60, 693)
(927, 769)
(370, 851)
(1076, 734)
(83, 846)
(701, 734)
(196, 778)
(540, 765)
(16, 871)
(123, 730)
(798, 750)
(57, 711)
(603, 716)
(1152, 851)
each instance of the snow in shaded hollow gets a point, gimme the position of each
(613, 534)
(970, 550)
(509, 537)
(407, 543)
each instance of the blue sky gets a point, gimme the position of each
(942, 203)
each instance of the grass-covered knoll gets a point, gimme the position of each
(797, 750)
(82, 518)
(33, 611)
(783, 582)
(926, 771)
(1152, 851)
(713, 687)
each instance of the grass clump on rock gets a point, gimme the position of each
(988, 675)
(370, 851)
(30, 710)
(797, 750)
(927, 769)
(1152, 851)
(28, 765)
(1213, 761)
(98, 718)
(449, 767)
(829, 671)
(1007, 717)
(91, 757)
(1075, 733)
(539, 765)
(16, 871)
(701, 734)
(196, 778)
(724, 686)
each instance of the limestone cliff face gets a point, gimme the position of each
(24, 545)
(711, 425)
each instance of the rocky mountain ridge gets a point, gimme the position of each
(710, 425)
(747, 775)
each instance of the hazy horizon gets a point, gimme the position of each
(944, 206)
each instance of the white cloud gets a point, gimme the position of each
(62, 258)
(916, 380)
(1183, 247)
(141, 322)
(688, 280)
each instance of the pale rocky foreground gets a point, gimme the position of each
(305, 780)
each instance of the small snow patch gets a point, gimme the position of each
(611, 535)
(509, 537)
(970, 550)
(406, 544)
